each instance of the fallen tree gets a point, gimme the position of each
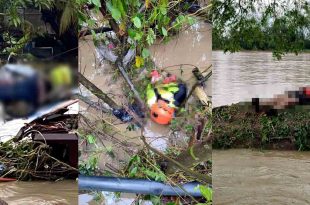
(239, 126)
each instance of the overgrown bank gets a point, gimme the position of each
(237, 126)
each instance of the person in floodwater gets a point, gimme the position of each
(164, 95)
(23, 89)
(289, 99)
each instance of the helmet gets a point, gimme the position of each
(161, 113)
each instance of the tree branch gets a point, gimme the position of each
(119, 65)
(97, 92)
(203, 178)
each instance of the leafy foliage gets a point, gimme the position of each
(142, 168)
(138, 23)
(17, 31)
(281, 26)
(10, 9)
(207, 193)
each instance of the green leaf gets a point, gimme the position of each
(164, 31)
(191, 20)
(120, 6)
(133, 172)
(150, 37)
(163, 10)
(145, 53)
(138, 36)
(91, 139)
(137, 22)
(116, 14)
(156, 200)
(97, 3)
(131, 33)
(206, 192)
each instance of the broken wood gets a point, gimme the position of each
(198, 87)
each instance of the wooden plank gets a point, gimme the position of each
(56, 137)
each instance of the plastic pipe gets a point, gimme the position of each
(139, 186)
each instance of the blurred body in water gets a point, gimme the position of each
(23, 89)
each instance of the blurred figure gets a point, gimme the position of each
(286, 100)
(23, 89)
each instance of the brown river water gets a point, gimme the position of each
(243, 75)
(40, 193)
(255, 177)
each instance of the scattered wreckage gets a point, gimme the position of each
(45, 147)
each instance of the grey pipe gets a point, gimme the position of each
(139, 186)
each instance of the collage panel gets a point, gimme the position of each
(154, 102)
(39, 115)
(145, 103)
(261, 75)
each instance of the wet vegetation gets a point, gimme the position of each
(238, 126)
(20, 35)
(26, 160)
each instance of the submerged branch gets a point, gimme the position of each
(119, 65)
(96, 91)
(192, 156)
(203, 178)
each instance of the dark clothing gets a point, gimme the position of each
(301, 95)
(21, 90)
(179, 96)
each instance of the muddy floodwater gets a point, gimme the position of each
(39, 193)
(243, 75)
(254, 177)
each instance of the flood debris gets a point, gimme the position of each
(45, 148)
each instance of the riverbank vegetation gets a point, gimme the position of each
(281, 26)
(238, 126)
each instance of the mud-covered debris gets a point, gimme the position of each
(122, 114)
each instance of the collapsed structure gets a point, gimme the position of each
(45, 148)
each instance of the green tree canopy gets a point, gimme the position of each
(281, 26)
